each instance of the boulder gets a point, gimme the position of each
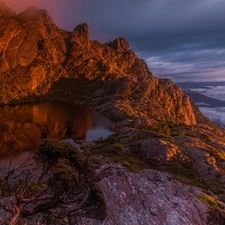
(149, 197)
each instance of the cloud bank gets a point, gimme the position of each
(217, 115)
(217, 92)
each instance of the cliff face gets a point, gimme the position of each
(151, 100)
(34, 54)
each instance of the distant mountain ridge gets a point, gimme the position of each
(193, 84)
(200, 98)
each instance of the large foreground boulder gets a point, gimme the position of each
(149, 197)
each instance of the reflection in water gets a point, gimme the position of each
(27, 125)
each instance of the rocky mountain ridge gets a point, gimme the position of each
(32, 45)
(157, 125)
(35, 54)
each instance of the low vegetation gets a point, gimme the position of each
(61, 185)
(111, 149)
(208, 200)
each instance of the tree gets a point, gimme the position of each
(60, 184)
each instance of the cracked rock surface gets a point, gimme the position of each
(149, 197)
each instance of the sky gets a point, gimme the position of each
(180, 39)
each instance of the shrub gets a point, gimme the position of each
(117, 146)
(127, 165)
(61, 185)
(208, 200)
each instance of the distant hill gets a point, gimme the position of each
(185, 85)
(209, 102)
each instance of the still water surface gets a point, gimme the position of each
(26, 125)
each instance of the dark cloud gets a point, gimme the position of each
(178, 38)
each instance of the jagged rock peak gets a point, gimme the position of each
(83, 28)
(120, 44)
(5, 11)
(166, 81)
(33, 13)
(81, 34)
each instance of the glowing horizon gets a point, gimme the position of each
(55, 8)
(21, 5)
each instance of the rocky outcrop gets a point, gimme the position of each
(149, 197)
(120, 45)
(80, 35)
(34, 53)
(29, 44)
(33, 14)
(153, 102)
(153, 150)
